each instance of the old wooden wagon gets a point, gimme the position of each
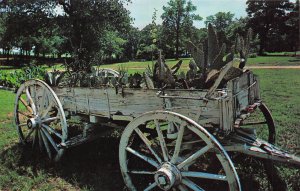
(172, 139)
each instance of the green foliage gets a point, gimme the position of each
(112, 46)
(269, 20)
(220, 20)
(86, 23)
(23, 23)
(17, 77)
(178, 20)
(50, 41)
(148, 36)
(133, 38)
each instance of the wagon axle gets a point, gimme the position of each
(33, 123)
(167, 176)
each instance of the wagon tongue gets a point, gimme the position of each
(262, 149)
(269, 151)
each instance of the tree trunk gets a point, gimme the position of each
(262, 44)
(178, 29)
(7, 55)
(177, 45)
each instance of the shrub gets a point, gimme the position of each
(16, 78)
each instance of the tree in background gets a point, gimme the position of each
(293, 30)
(111, 45)
(131, 48)
(268, 19)
(23, 23)
(87, 22)
(149, 39)
(178, 20)
(220, 20)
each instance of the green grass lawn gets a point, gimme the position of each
(280, 90)
(274, 61)
(283, 53)
(95, 167)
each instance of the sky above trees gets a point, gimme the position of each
(142, 10)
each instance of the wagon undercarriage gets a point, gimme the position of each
(172, 143)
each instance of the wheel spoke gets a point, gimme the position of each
(34, 138)
(50, 119)
(52, 130)
(43, 101)
(28, 135)
(46, 111)
(22, 124)
(48, 136)
(30, 101)
(34, 93)
(24, 114)
(191, 185)
(151, 186)
(193, 157)
(45, 141)
(145, 158)
(141, 172)
(182, 187)
(40, 140)
(148, 144)
(26, 105)
(161, 141)
(204, 175)
(178, 143)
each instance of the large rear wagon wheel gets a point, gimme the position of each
(40, 118)
(152, 159)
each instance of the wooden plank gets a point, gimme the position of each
(134, 102)
(228, 115)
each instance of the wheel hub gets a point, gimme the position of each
(167, 176)
(33, 123)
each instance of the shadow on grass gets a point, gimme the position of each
(295, 60)
(95, 166)
(92, 166)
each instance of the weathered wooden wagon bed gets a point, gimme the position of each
(172, 138)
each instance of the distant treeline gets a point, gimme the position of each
(93, 32)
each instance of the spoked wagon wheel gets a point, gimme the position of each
(40, 118)
(263, 123)
(150, 160)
